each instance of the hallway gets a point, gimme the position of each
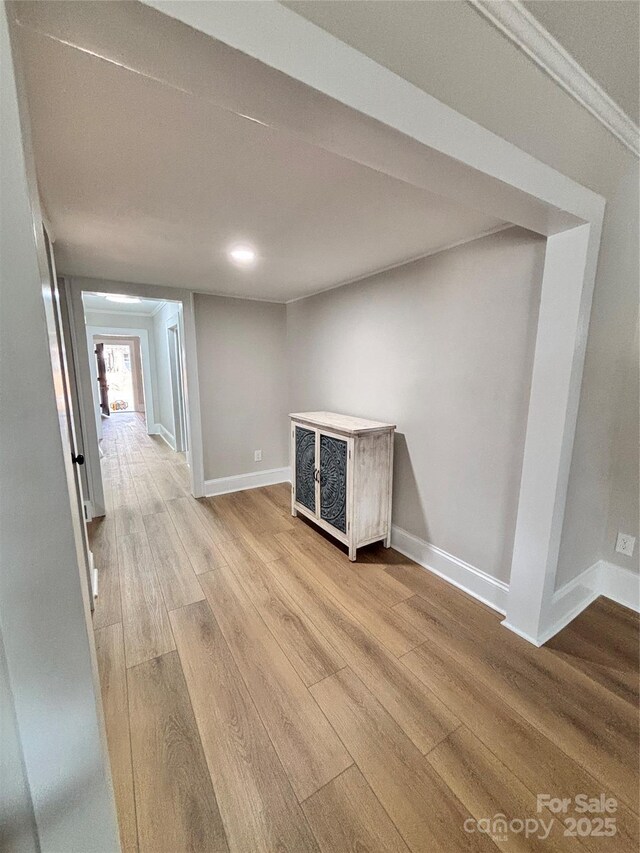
(261, 693)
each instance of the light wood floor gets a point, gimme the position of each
(261, 693)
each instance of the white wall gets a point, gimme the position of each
(17, 823)
(443, 348)
(243, 384)
(44, 619)
(624, 509)
(608, 410)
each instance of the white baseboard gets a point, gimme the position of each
(620, 584)
(466, 577)
(240, 482)
(533, 640)
(568, 602)
(166, 435)
(602, 578)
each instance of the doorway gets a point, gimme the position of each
(145, 312)
(135, 345)
(119, 369)
(138, 354)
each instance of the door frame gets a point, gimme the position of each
(177, 387)
(57, 319)
(145, 357)
(134, 345)
(191, 387)
(103, 398)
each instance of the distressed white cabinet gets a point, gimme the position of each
(341, 476)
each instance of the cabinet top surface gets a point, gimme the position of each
(341, 423)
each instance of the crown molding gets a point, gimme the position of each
(518, 24)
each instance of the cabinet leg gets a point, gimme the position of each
(352, 553)
(294, 512)
(387, 541)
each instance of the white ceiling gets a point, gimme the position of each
(604, 37)
(601, 35)
(145, 182)
(99, 302)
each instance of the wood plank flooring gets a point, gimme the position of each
(170, 768)
(262, 693)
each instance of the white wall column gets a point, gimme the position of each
(565, 305)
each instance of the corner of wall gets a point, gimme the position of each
(623, 510)
(599, 498)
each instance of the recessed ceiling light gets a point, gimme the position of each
(242, 255)
(117, 298)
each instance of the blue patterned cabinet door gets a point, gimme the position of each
(305, 467)
(333, 481)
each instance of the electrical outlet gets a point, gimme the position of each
(257, 456)
(625, 543)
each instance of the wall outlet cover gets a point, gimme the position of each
(625, 544)
(257, 456)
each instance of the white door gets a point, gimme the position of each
(54, 308)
